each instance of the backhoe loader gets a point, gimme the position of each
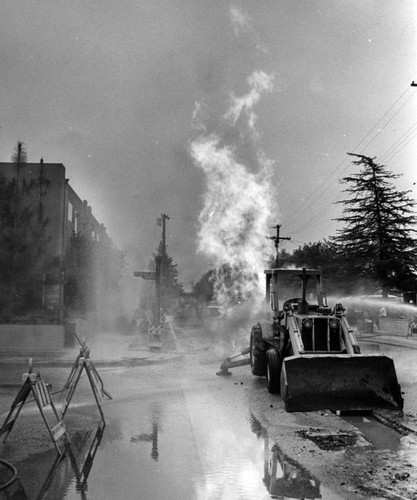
(309, 354)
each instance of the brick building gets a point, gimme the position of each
(65, 210)
(66, 214)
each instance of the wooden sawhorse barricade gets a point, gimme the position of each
(155, 336)
(84, 363)
(33, 384)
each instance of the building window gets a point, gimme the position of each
(76, 221)
(70, 211)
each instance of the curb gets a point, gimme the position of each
(388, 340)
(16, 365)
(123, 362)
(405, 428)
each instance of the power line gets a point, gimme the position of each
(405, 139)
(388, 122)
(312, 222)
(399, 141)
(408, 136)
(296, 243)
(318, 216)
(340, 164)
(315, 215)
(312, 196)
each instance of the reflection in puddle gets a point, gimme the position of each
(14, 491)
(82, 473)
(283, 476)
(64, 468)
(150, 437)
(159, 450)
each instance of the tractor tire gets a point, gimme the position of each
(273, 371)
(257, 352)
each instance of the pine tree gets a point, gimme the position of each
(19, 157)
(23, 240)
(378, 222)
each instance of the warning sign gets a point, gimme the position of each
(32, 383)
(155, 335)
(58, 431)
(42, 393)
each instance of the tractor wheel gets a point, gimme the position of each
(273, 370)
(257, 352)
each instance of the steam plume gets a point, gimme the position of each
(239, 204)
(259, 82)
(242, 25)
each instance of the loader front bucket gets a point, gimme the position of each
(339, 382)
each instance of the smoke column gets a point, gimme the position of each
(239, 204)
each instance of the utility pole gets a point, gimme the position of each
(277, 239)
(163, 264)
(159, 273)
(19, 158)
(163, 219)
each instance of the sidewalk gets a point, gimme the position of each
(388, 338)
(106, 350)
(122, 350)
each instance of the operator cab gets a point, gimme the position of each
(311, 289)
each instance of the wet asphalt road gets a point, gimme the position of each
(177, 431)
(171, 432)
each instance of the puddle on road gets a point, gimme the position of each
(379, 435)
(383, 437)
(159, 457)
(283, 476)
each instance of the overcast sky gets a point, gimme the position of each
(128, 93)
